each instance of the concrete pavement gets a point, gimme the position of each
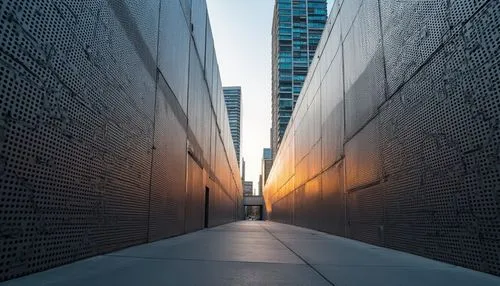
(257, 253)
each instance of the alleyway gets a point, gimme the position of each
(257, 253)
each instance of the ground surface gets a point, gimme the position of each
(257, 253)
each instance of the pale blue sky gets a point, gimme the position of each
(242, 37)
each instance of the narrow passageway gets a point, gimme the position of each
(257, 253)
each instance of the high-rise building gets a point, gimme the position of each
(232, 96)
(297, 28)
(267, 153)
(248, 188)
(267, 163)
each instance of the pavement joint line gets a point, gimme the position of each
(386, 266)
(199, 260)
(300, 257)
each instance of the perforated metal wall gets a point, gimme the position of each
(95, 133)
(410, 112)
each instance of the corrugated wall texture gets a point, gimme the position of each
(112, 123)
(395, 138)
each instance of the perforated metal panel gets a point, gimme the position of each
(173, 60)
(198, 93)
(364, 79)
(186, 7)
(168, 182)
(331, 208)
(87, 163)
(283, 209)
(199, 17)
(209, 60)
(365, 214)
(420, 155)
(194, 196)
(349, 10)
(300, 209)
(439, 133)
(362, 158)
(413, 30)
(332, 113)
(72, 147)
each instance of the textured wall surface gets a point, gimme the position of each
(395, 139)
(112, 124)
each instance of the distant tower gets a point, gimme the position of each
(297, 29)
(248, 188)
(267, 163)
(232, 96)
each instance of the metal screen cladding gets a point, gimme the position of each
(409, 115)
(94, 133)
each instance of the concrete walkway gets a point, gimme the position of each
(258, 253)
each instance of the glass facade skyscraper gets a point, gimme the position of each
(267, 163)
(297, 28)
(267, 154)
(232, 96)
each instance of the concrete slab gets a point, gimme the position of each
(120, 271)
(244, 226)
(406, 276)
(345, 252)
(301, 235)
(320, 248)
(218, 246)
(257, 253)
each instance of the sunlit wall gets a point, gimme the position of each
(395, 137)
(113, 129)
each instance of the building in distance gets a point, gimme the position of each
(296, 31)
(267, 163)
(232, 97)
(247, 188)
